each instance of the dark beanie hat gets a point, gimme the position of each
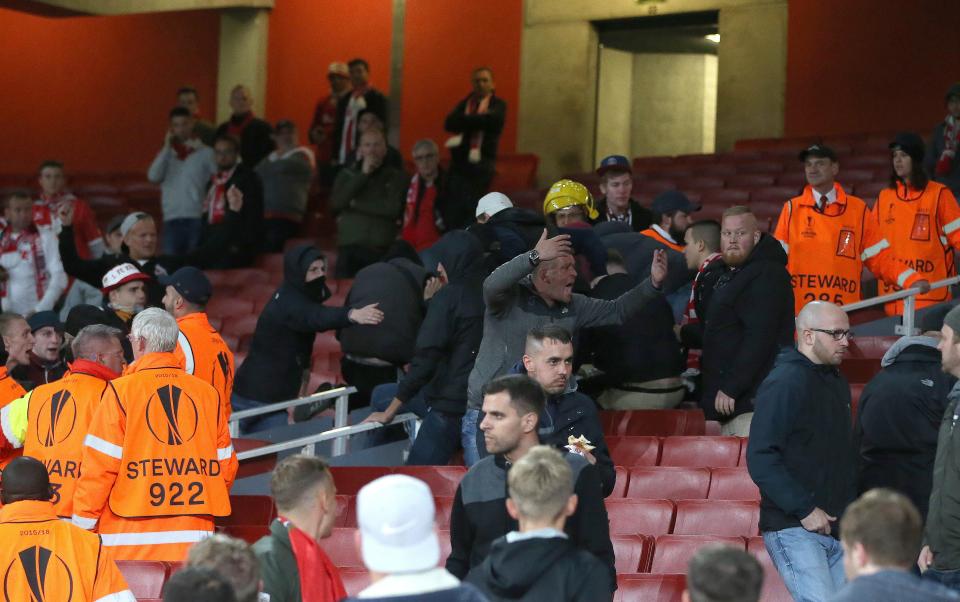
(932, 320)
(84, 315)
(910, 143)
(952, 319)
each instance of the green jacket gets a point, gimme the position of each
(368, 207)
(278, 567)
(943, 519)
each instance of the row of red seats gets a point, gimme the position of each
(685, 483)
(145, 578)
(678, 450)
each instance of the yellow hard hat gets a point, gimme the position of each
(567, 193)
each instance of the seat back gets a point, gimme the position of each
(634, 451)
(700, 451)
(442, 480)
(249, 510)
(633, 553)
(145, 578)
(349, 479)
(354, 580)
(623, 479)
(662, 423)
(342, 549)
(672, 553)
(444, 505)
(774, 589)
(644, 517)
(672, 483)
(649, 588)
(732, 484)
(717, 517)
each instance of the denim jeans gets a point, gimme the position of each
(810, 564)
(181, 235)
(437, 440)
(949, 579)
(262, 422)
(469, 430)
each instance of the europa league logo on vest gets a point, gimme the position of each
(46, 576)
(56, 419)
(172, 415)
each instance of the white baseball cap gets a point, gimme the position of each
(395, 514)
(493, 203)
(121, 274)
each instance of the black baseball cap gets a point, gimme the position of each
(42, 319)
(818, 150)
(192, 284)
(614, 163)
(910, 143)
(672, 200)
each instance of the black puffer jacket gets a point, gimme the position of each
(541, 570)
(451, 331)
(749, 318)
(283, 340)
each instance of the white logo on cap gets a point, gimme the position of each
(391, 530)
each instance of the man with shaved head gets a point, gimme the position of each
(802, 456)
(750, 316)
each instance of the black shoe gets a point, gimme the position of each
(308, 410)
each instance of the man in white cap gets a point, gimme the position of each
(124, 286)
(491, 204)
(504, 230)
(399, 545)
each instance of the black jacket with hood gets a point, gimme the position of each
(899, 417)
(541, 569)
(749, 319)
(450, 334)
(801, 452)
(283, 340)
(509, 233)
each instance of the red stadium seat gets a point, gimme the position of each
(232, 341)
(862, 361)
(271, 262)
(326, 341)
(717, 517)
(711, 428)
(760, 167)
(444, 536)
(725, 197)
(742, 460)
(703, 182)
(773, 588)
(751, 180)
(634, 451)
(669, 483)
(672, 553)
(342, 549)
(655, 187)
(346, 511)
(660, 423)
(443, 505)
(145, 578)
(869, 191)
(856, 390)
(527, 199)
(722, 170)
(732, 484)
(245, 277)
(793, 179)
(249, 510)
(622, 476)
(649, 588)
(349, 479)
(354, 580)
(240, 325)
(248, 533)
(700, 451)
(442, 480)
(515, 171)
(644, 517)
(632, 552)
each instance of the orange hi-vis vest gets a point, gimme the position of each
(50, 423)
(660, 238)
(922, 227)
(45, 559)
(827, 247)
(9, 390)
(157, 462)
(205, 355)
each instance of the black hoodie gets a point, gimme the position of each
(749, 318)
(541, 570)
(452, 329)
(283, 340)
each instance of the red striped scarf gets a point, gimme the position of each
(10, 243)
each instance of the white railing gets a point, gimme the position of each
(341, 412)
(909, 296)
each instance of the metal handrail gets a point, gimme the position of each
(308, 442)
(909, 296)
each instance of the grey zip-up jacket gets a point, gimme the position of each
(183, 184)
(513, 308)
(943, 518)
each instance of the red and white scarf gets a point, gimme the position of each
(476, 139)
(951, 133)
(215, 203)
(184, 149)
(10, 242)
(46, 207)
(319, 579)
(236, 125)
(348, 140)
(690, 314)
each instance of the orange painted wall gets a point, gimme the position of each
(306, 36)
(869, 65)
(444, 42)
(95, 91)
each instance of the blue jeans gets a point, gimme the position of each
(181, 235)
(949, 579)
(437, 440)
(810, 564)
(468, 437)
(257, 423)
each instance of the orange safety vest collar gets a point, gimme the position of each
(154, 361)
(833, 209)
(27, 511)
(909, 193)
(652, 233)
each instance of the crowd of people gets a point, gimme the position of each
(504, 330)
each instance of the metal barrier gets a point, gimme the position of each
(909, 319)
(341, 412)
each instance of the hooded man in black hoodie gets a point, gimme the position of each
(538, 562)
(279, 358)
(446, 349)
(749, 318)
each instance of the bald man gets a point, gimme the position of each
(802, 456)
(254, 134)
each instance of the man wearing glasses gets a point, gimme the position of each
(425, 212)
(802, 456)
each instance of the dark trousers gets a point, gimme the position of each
(949, 579)
(276, 232)
(437, 440)
(353, 258)
(365, 378)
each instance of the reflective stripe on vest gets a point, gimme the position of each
(124, 596)
(104, 447)
(153, 538)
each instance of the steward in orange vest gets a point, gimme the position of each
(44, 558)
(920, 221)
(158, 462)
(829, 235)
(203, 350)
(672, 208)
(50, 422)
